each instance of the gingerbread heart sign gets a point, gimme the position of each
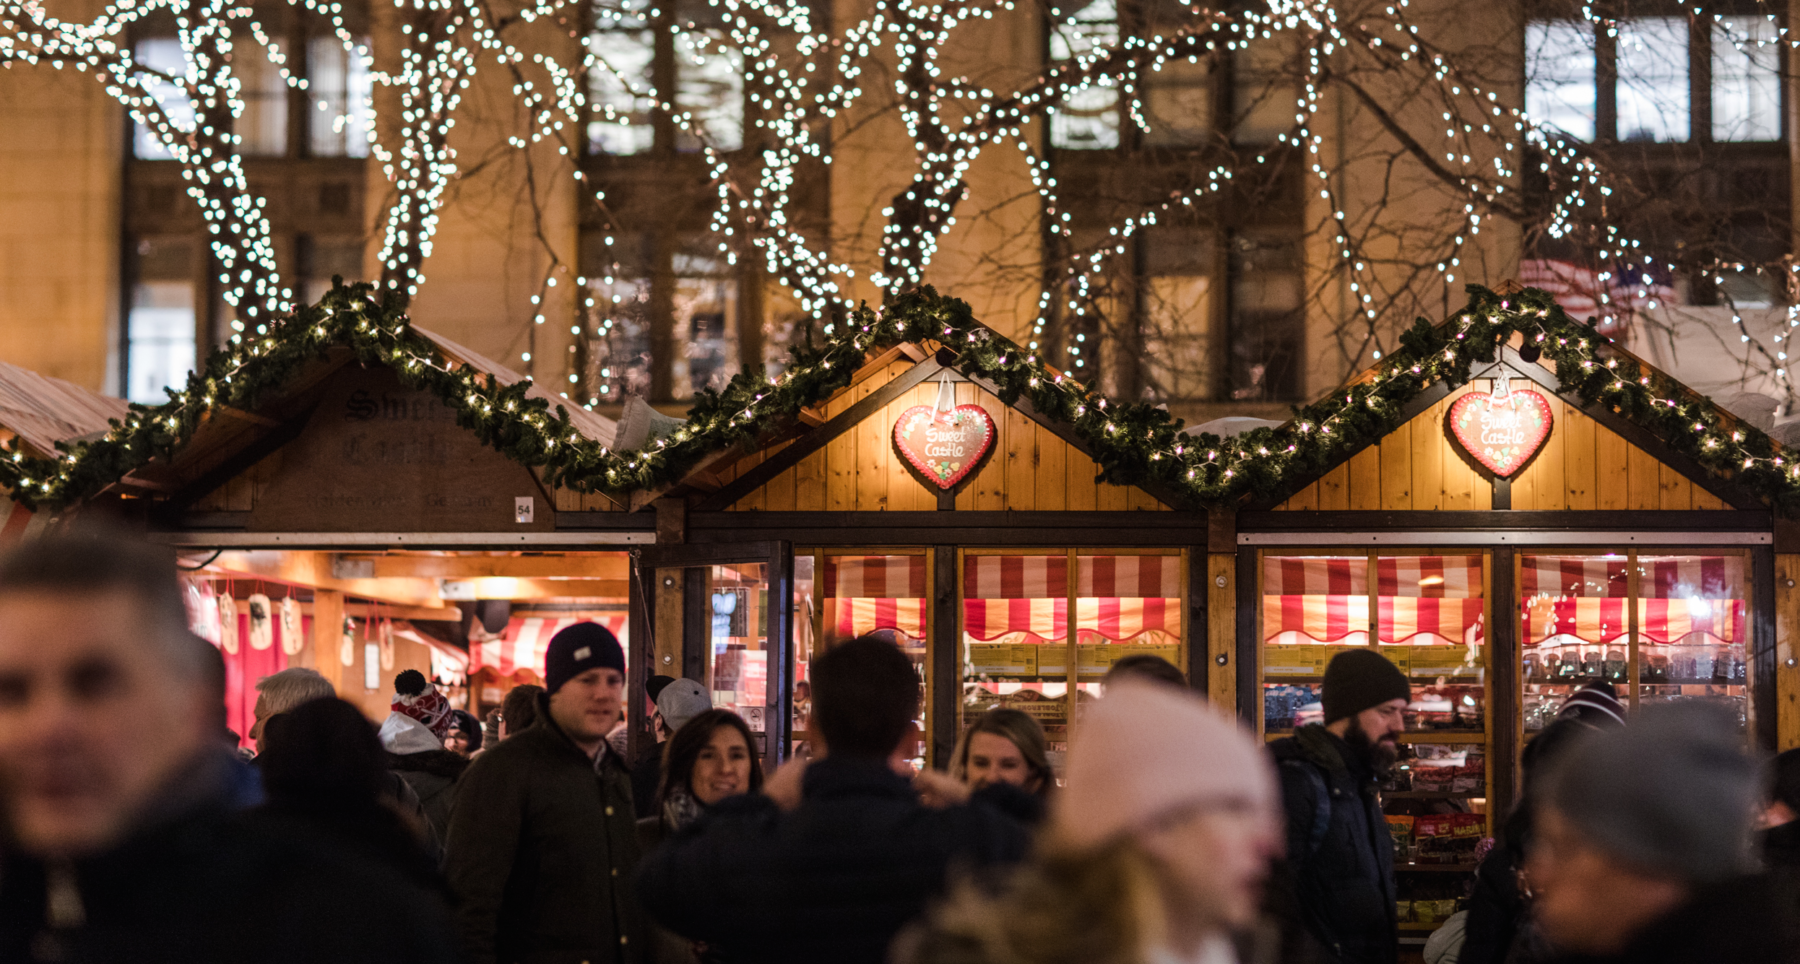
(1502, 430)
(944, 444)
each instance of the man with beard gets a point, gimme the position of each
(1336, 885)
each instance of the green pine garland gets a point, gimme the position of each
(1135, 443)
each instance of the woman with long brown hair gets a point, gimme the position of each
(1004, 746)
(1157, 848)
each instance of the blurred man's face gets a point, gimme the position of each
(1587, 901)
(94, 721)
(587, 707)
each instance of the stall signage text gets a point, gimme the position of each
(944, 445)
(1502, 432)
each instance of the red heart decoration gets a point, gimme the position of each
(944, 446)
(1502, 434)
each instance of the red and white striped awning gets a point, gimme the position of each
(1603, 620)
(851, 617)
(1659, 577)
(20, 523)
(521, 646)
(1420, 599)
(1399, 619)
(1117, 597)
(1040, 577)
(1425, 577)
(888, 577)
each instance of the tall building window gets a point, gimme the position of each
(1267, 327)
(262, 127)
(1177, 98)
(1263, 94)
(1176, 307)
(709, 74)
(1653, 96)
(339, 97)
(165, 56)
(1656, 68)
(706, 68)
(621, 81)
(1560, 68)
(160, 322)
(1088, 118)
(1746, 79)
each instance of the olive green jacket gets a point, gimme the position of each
(540, 854)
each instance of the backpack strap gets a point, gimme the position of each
(1321, 822)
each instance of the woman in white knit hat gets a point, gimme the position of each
(1155, 854)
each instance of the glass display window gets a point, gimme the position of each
(1657, 627)
(1015, 638)
(1021, 649)
(738, 661)
(858, 593)
(1312, 607)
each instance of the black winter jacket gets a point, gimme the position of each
(432, 775)
(1746, 920)
(831, 882)
(1337, 881)
(646, 779)
(209, 883)
(540, 854)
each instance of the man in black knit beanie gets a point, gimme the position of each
(1336, 886)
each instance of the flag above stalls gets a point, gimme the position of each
(521, 646)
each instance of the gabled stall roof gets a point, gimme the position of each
(43, 411)
(1524, 334)
(248, 399)
(239, 395)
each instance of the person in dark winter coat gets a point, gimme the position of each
(413, 736)
(1642, 850)
(677, 702)
(542, 840)
(1336, 884)
(646, 770)
(325, 769)
(837, 855)
(464, 738)
(126, 847)
(1498, 929)
(710, 758)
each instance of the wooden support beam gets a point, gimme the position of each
(375, 610)
(609, 565)
(516, 589)
(328, 636)
(312, 570)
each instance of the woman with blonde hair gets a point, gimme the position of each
(1004, 746)
(1158, 844)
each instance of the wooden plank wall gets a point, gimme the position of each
(1030, 469)
(1221, 630)
(240, 493)
(1581, 466)
(1787, 677)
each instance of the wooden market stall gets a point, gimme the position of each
(356, 519)
(1503, 533)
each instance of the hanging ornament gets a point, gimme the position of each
(203, 611)
(384, 635)
(1502, 429)
(262, 622)
(293, 640)
(228, 622)
(944, 440)
(347, 650)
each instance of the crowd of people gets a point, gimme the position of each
(135, 830)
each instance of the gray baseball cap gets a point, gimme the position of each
(681, 701)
